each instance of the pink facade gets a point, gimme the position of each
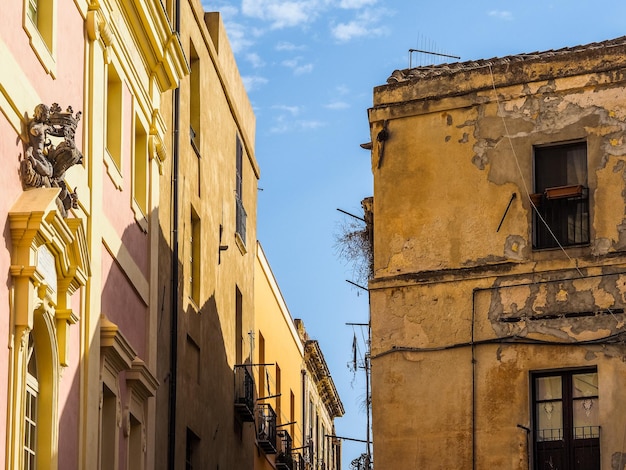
(78, 301)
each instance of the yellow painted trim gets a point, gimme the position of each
(46, 53)
(17, 96)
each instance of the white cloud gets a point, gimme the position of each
(237, 37)
(293, 110)
(282, 127)
(255, 60)
(303, 69)
(287, 46)
(297, 67)
(355, 4)
(280, 13)
(253, 82)
(364, 24)
(501, 14)
(337, 105)
(284, 124)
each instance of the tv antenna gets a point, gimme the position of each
(428, 50)
(411, 51)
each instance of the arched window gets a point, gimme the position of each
(30, 413)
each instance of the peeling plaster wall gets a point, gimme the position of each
(462, 308)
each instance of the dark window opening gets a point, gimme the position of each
(561, 196)
(191, 447)
(566, 420)
(241, 212)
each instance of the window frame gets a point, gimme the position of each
(42, 32)
(114, 122)
(240, 211)
(195, 257)
(141, 173)
(565, 441)
(562, 206)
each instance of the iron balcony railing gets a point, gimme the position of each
(563, 213)
(284, 457)
(244, 393)
(266, 428)
(298, 461)
(577, 448)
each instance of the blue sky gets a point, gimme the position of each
(310, 67)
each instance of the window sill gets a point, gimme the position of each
(113, 171)
(240, 243)
(140, 217)
(40, 48)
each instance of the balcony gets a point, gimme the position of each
(284, 459)
(266, 428)
(298, 461)
(244, 393)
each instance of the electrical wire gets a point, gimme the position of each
(526, 191)
(617, 339)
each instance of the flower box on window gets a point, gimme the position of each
(560, 192)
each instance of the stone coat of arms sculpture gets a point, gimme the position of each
(44, 164)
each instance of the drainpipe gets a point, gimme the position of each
(473, 346)
(171, 454)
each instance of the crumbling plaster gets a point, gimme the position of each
(496, 134)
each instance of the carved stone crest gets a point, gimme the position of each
(44, 163)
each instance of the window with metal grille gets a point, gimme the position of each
(561, 196)
(566, 420)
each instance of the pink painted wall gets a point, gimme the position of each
(122, 305)
(11, 189)
(65, 89)
(117, 207)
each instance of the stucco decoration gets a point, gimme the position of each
(45, 163)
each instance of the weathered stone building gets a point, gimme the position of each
(497, 303)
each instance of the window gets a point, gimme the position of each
(566, 420)
(278, 393)
(140, 174)
(262, 375)
(239, 326)
(39, 25)
(241, 212)
(561, 196)
(194, 258)
(108, 429)
(191, 447)
(30, 413)
(135, 447)
(114, 117)
(194, 100)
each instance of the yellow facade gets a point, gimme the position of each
(207, 252)
(474, 305)
(293, 385)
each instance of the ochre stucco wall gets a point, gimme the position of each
(463, 311)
